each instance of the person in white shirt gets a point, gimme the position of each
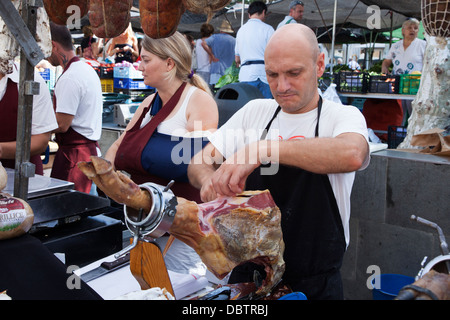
(251, 41)
(353, 63)
(42, 124)
(296, 10)
(406, 55)
(203, 60)
(304, 150)
(78, 104)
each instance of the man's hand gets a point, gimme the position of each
(229, 179)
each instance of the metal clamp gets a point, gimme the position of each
(159, 219)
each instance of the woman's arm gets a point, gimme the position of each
(202, 113)
(385, 66)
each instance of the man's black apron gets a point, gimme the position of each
(312, 228)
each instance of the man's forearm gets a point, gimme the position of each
(324, 155)
(203, 165)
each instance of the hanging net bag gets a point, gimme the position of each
(436, 17)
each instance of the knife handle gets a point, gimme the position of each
(116, 263)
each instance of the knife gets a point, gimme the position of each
(106, 267)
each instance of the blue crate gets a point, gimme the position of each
(45, 74)
(125, 83)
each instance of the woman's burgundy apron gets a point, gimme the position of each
(129, 153)
(311, 225)
(8, 130)
(72, 148)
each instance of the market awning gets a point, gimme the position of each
(318, 14)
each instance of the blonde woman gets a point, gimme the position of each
(157, 144)
(148, 156)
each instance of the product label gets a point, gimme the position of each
(12, 213)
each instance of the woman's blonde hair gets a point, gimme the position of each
(178, 48)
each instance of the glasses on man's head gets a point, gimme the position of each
(300, 3)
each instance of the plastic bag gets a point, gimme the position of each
(331, 94)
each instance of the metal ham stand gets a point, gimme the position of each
(22, 28)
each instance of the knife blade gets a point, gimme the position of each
(106, 267)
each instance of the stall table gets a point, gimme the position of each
(29, 271)
(377, 96)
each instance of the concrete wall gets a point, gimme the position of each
(395, 186)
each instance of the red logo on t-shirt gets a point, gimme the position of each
(292, 138)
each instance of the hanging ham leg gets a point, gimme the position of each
(115, 184)
(231, 230)
(225, 232)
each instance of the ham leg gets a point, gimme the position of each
(225, 232)
(229, 231)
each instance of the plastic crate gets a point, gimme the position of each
(125, 83)
(107, 85)
(45, 74)
(384, 84)
(104, 72)
(351, 81)
(409, 83)
(127, 72)
(396, 135)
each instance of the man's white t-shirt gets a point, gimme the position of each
(79, 93)
(409, 60)
(203, 63)
(251, 42)
(43, 118)
(247, 125)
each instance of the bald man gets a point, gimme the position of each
(302, 148)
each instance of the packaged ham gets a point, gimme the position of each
(16, 215)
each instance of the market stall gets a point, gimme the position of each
(63, 220)
(71, 223)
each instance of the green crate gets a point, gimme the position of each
(409, 83)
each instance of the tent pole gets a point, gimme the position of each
(334, 35)
(392, 30)
(243, 12)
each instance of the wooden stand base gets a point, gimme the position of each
(148, 267)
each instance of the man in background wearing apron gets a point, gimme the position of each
(296, 10)
(78, 105)
(305, 150)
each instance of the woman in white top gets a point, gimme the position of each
(203, 60)
(407, 54)
(156, 145)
